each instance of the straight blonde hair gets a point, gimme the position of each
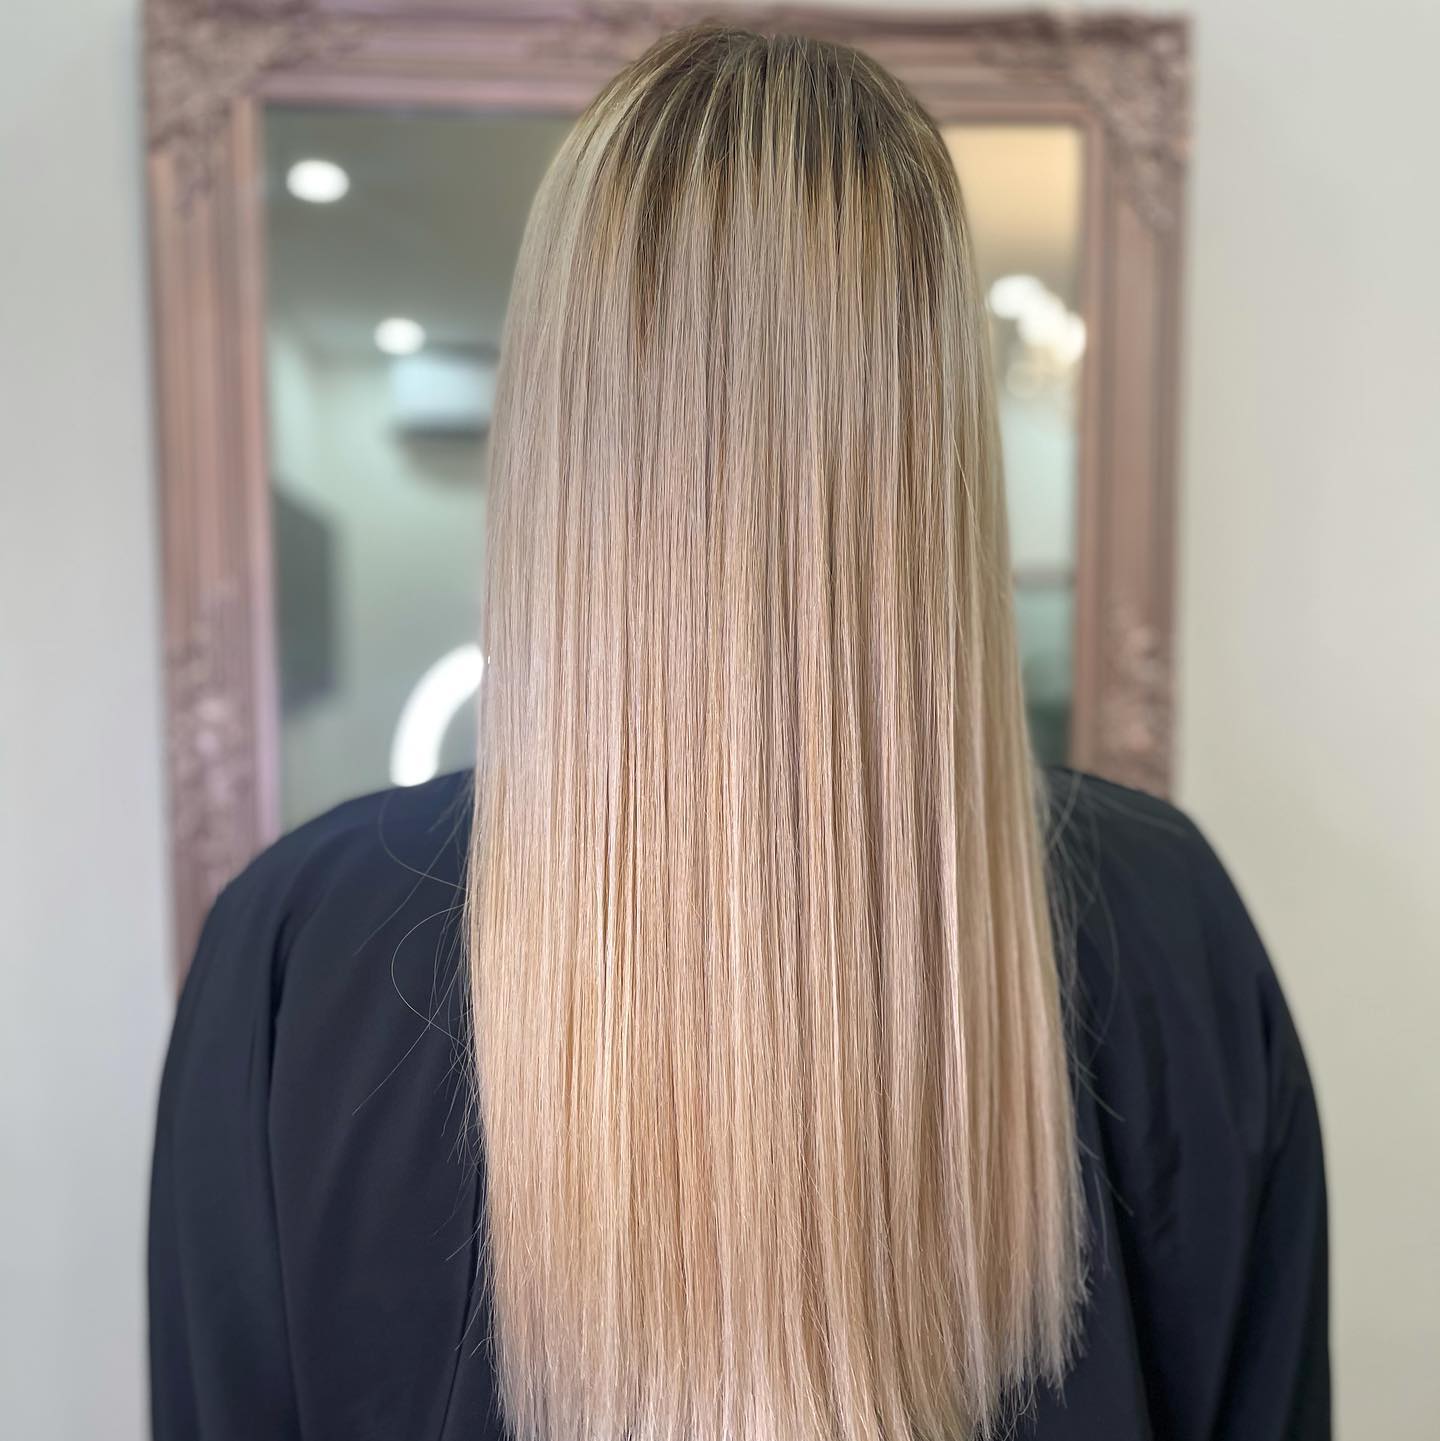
(772, 1077)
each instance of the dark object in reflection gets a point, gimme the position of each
(305, 597)
(1049, 731)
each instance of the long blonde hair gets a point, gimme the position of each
(772, 1077)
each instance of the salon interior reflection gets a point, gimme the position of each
(390, 243)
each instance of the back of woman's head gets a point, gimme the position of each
(772, 1079)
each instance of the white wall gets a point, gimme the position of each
(82, 889)
(1310, 616)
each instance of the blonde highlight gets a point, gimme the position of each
(772, 1080)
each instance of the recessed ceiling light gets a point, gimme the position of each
(321, 182)
(399, 335)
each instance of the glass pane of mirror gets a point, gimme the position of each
(388, 273)
(1022, 188)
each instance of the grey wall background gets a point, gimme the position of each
(1310, 608)
(83, 910)
(1309, 689)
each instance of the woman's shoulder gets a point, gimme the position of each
(1147, 898)
(366, 850)
(1174, 993)
(343, 943)
(316, 1191)
(1198, 1124)
(1101, 831)
(1137, 883)
(360, 905)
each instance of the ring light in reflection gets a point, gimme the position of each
(437, 698)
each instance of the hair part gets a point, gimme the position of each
(772, 1076)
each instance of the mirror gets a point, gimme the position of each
(383, 324)
(322, 499)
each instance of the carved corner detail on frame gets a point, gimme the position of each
(203, 55)
(1141, 90)
(1135, 74)
(1135, 705)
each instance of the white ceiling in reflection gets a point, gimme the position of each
(432, 222)
(429, 230)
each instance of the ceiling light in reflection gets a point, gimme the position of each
(1012, 295)
(1044, 321)
(321, 182)
(436, 700)
(399, 335)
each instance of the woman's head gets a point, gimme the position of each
(772, 1076)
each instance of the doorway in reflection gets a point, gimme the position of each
(388, 270)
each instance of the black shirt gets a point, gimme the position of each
(314, 1266)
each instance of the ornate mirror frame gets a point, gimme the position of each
(212, 64)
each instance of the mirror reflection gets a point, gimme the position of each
(391, 240)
